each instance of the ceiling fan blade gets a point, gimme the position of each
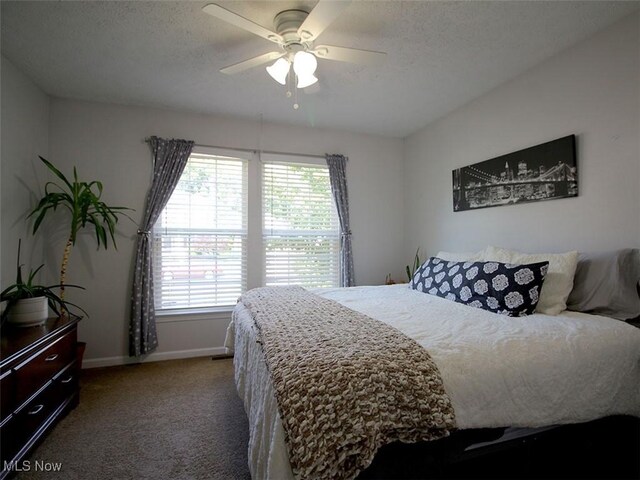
(252, 62)
(235, 19)
(320, 18)
(353, 55)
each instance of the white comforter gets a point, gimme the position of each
(499, 371)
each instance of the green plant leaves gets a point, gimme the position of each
(82, 199)
(416, 265)
(21, 290)
(56, 172)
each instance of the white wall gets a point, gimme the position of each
(25, 135)
(106, 142)
(592, 90)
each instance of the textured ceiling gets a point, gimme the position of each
(441, 55)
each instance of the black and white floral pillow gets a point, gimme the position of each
(498, 287)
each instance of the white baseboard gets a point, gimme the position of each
(154, 357)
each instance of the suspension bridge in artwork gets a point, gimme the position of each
(475, 188)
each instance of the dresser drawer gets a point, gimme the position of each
(66, 383)
(7, 392)
(32, 415)
(10, 445)
(32, 374)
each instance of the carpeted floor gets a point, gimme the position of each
(179, 419)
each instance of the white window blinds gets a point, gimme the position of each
(300, 226)
(200, 239)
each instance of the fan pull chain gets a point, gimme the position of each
(291, 79)
(288, 93)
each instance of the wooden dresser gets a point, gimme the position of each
(38, 384)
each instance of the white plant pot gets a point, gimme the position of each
(29, 312)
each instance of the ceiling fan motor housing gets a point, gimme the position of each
(286, 24)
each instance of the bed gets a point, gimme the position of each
(529, 372)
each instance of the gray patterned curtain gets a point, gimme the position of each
(338, 176)
(169, 160)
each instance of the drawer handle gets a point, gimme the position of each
(36, 410)
(51, 358)
(67, 380)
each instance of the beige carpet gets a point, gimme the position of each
(179, 419)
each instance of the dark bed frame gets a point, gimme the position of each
(606, 448)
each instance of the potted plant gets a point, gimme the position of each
(416, 265)
(81, 201)
(27, 304)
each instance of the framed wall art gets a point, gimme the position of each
(543, 172)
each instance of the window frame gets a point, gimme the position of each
(167, 315)
(255, 248)
(294, 159)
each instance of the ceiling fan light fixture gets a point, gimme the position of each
(279, 70)
(306, 81)
(304, 64)
(295, 32)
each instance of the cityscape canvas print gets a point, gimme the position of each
(544, 172)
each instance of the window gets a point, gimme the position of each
(234, 223)
(301, 233)
(200, 239)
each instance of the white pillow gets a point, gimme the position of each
(558, 282)
(462, 257)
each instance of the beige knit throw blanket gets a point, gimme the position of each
(345, 384)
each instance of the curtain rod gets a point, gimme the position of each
(253, 150)
(271, 152)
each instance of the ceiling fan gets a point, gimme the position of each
(295, 34)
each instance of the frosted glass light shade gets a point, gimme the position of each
(279, 70)
(304, 64)
(306, 81)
